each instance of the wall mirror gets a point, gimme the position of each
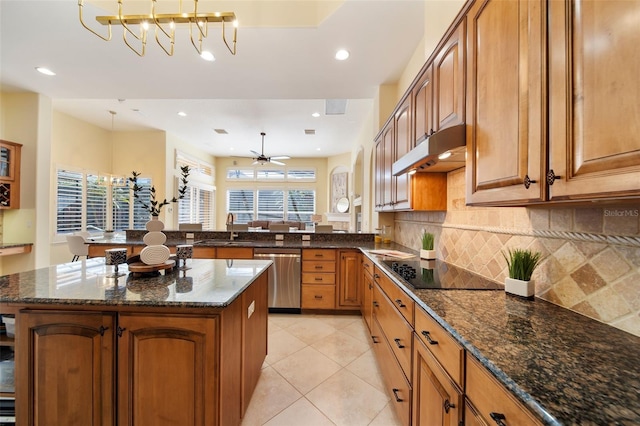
(342, 205)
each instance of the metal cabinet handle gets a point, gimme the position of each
(370, 287)
(551, 177)
(318, 266)
(527, 181)
(376, 276)
(375, 339)
(400, 304)
(102, 329)
(448, 406)
(395, 394)
(398, 344)
(427, 336)
(317, 296)
(319, 255)
(119, 331)
(375, 304)
(318, 278)
(498, 418)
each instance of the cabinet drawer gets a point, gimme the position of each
(234, 253)
(318, 296)
(399, 298)
(489, 397)
(444, 347)
(398, 333)
(313, 278)
(318, 254)
(204, 252)
(396, 384)
(318, 266)
(367, 265)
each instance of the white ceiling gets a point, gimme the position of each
(283, 71)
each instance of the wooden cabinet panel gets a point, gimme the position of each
(367, 298)
(423, 106)
(397, 386)
(436, 399)
(399, 298)
(449, 78)
(397, 332)
(234, 253)
(318, 254)
(10, 153)
(593, 105)
(76, 346)
(204, 252)
(388, 137)
(313, 278)
(349, 284)
(444, 348)
(158, 354)
(318, 296)
(379, 174)
(403, 144)
(318, 266)
(97, 250)
(490, 397)
(506, 115)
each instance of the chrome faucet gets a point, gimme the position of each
(230, 226)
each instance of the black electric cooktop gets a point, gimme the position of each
(436, 274)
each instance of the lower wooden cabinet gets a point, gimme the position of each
(367, 291)
(318, 279)
(318, 296)
(436, 399)
(349, 287)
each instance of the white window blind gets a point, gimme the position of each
(270, 204)
(120, 207)
(264, 174)
(141, 215)
(96, 205)
(196, 206)
(69, 201)
(241, 174)
(301, 174)
(240, 202)
(196, 165)
(205, 207)
(301, 204)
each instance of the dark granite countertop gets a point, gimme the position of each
(207, 283)
(567, 368)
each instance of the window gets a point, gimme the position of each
(96, 205)
(196, 206)
(69, 202)
(303, 174)
(271, 204)
(261, 174)
(244, 174)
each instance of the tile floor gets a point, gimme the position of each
(320, 370)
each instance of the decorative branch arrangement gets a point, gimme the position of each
(154, 206)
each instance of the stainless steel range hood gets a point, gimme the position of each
(425, 156)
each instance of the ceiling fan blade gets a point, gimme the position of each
(280, 157)
(271, 160)
(255, 163)
(255, 153)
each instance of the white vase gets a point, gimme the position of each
(519, 287)
(427, 254)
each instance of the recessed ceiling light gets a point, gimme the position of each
(207, 56)
(342, 54)
(45, 71)
(317, 149)
(182, 114)
(309, 131)
(315, 114)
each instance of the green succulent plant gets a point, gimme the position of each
(521, 263)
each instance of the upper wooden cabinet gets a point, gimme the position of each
(9, 175)
(594, 125)
(422, 96)
(403, 144)
(505, 102)
(449, 76)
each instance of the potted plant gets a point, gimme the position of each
(427, 251)
(521, 264)
(108, 233)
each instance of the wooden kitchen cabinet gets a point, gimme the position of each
(10, 175)
(436, 399)
(449, 80)
(234, 253)
(422, 95)
(388, 188)
(367, 290)
(379, 174)
(506, 103)
(403, 144)
(594, 147)
(349, 280)
(318, 279)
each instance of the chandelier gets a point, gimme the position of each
(137, 27)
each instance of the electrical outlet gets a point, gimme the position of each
(306, 238)
(190, 236)
(251, 309)
(279, 237)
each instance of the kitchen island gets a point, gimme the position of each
(137, 349)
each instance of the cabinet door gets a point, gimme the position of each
(436, 400)
(403, 144)
(423, 106)
(448, 73)
(388, 138)
(158, 354)
(9, 175)
(593, 107)
(349, 287)
(66, 369)
(379, 174)
(505, 102)
(367, 295)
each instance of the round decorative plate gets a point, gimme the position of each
(154, 255)
(154, 238)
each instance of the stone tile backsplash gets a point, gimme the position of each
(591, 255)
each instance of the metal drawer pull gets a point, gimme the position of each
(318, 266)
(376, 276)
(102, 329)
(318, 278)
(370, 287)
(551, 177)
(375, 339)
(375, 304)
(428, 337)
(319, 255)
(400, 304)
(528, 181)
(448, 406)
(120, 331)
(317, 296)
(398, 344)
(498, 418)
(395, 393)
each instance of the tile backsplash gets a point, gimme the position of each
(591, 255)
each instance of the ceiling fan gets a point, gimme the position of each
(260, 158)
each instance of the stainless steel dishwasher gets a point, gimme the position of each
(284, 278)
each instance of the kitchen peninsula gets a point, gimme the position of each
(137, 349)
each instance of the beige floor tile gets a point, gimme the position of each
(341, 347)
(281, 344)
(339, 321)
(358, 329)
(366, 368)
(284, 320)
(386, 417)
(347, 400)
(272, 327)
(301, 412)
(272, 395)
(306, 369)
(310, 329)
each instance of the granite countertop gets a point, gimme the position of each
(207, 283)
(566, 367)
(271, 243)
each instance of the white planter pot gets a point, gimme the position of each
(519, 287)
(427, 254)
